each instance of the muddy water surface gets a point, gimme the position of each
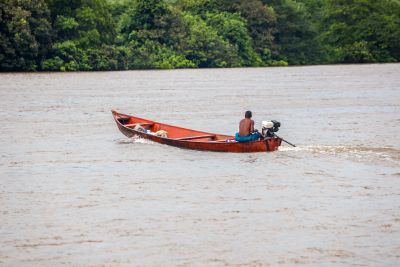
(74, 191)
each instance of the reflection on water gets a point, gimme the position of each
(74, 191)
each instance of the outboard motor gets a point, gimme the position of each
(269, 128)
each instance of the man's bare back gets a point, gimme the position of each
(246, 127)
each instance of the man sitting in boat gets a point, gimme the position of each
(246, 129)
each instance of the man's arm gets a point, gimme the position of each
(252, 126)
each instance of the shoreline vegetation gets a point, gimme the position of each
(102, 35)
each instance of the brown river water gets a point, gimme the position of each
(75, 192)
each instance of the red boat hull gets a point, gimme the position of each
(191, 139)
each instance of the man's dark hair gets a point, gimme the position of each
(248, 114)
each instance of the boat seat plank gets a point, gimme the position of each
(140, 123)
(196, 137)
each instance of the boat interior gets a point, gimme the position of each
(173, 132)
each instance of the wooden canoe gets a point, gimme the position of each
(190, 139)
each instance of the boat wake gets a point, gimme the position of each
(354, 152)
(134, 140)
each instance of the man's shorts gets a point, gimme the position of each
(251, 137)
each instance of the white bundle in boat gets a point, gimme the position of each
(162, 133)
(139, 128)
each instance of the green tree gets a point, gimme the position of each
(25, 34)
(205, 47)
(259, 19)
(85, 32)
(89, 22)
(153, 31)
(261, 23)
(363, 30)
(297, 33)
(232, 27)
(153, 55)
(108, 57)
(67, 56)
(73, 35)
(153, 20)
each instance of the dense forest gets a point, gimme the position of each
(72, 35)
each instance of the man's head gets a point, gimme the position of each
(248, 114)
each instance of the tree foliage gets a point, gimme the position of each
(73, 35)
(363, 30)
(25, 34)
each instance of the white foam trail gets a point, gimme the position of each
(355, 152)
(135, 140)
(290, 148)
(139, 140)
